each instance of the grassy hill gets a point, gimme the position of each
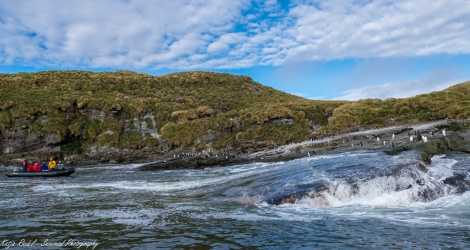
(82, 112)
(453, 103)
(85, 110)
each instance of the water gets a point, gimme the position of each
(361, 199)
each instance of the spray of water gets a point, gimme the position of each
(407, 185)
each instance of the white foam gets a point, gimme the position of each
(397, 190)
(380, 191)
(250, 167)
(131, 166)
(192, 180)
(441, 167)
(340, 155)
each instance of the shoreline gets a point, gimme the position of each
(392, 139)
(365, 139)
(359, 140)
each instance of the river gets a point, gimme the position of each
(359, 199)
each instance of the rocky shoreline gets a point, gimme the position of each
(441, 136)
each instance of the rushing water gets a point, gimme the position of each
(362, 199)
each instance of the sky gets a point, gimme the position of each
(323, 50)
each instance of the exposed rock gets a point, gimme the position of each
(459, 141)
(19, 139)
(458, 181)
(426, 157)
(18, 142)
(99, 114)
(288, 199)
(311, 190)
(435, 147)
(198, 162)
(395, 151)
(286, 121)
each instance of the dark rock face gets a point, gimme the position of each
(460, 142)
(109, 156)
(287, 121)
(98, 114)
(288, 199)
(306, 190)
(198, 162)
(395, 151)
(459, 181)
(18, 139)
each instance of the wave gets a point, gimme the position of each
(405, 184)
(163, 182)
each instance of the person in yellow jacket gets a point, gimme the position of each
(51, 164)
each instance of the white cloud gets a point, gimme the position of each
(88, 31)
(394, 90)
(224, 42)
(435, 80)
(380, 29)
(226, 34)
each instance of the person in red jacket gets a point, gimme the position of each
(37, 167)
(30, 167)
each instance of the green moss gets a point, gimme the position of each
(131, 140)
(151, 142)
(205, 111)
(91, 130)
(223, 141)
(436, 147)
(426, 157)
(6, 119)
(149, 123)
(182, 116)
(108, 139)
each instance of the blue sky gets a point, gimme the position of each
(333, 49)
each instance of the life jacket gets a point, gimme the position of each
(52, 164)
(37, 167)
(30, 167)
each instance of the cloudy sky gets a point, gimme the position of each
(320, 49)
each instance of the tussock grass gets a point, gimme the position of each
(192, 109)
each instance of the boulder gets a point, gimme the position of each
(435, 147)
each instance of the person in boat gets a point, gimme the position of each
(44, 166)
(37, 167)
(52, 164)
(30, 167)
(60, 166)
(25, 165)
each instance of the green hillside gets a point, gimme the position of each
(82, 112)
(453, 103)
(196, 110)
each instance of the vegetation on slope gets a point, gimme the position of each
(191, 109)
(86, 111)
(453, 103)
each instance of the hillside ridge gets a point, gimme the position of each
(140, 116)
